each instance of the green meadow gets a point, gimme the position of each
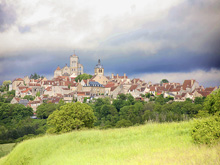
(6, 148)
(152, 143)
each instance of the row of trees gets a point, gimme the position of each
(121, 112)
(35, 76)
(126, 110)
(15, 122)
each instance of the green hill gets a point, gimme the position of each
(168, 143)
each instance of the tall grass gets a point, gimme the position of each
(6, 148)
(167, 143)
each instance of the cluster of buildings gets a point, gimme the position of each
(63, 86)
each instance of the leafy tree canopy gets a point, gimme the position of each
(83, 76)
(10, 112)
(35, 76)
(164, 81)
(29, 97)
(71, 116)
(212, 102)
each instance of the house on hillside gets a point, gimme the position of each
(15, 100)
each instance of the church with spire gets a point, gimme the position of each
(73, 70)
(99, 74)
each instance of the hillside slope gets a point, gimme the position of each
(168, 143)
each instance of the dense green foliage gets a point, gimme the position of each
(164, 81)
(13, 112)
(29, 97)
(45, 109)
(7, 97)
(83, 76)
(24, 127)
(212, 103)
(126, 111)
(5, 85)
(35, 76)
(71, 116)
(15, 122)
(207, 130)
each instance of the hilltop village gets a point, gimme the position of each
(64, 87)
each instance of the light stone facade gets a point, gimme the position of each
(74, 70)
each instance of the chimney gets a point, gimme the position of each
(191, 82)
(87, 82)
(112, 75)
(134, 81)
(117, 76)
(124, 76)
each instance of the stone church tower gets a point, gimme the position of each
(75, 67)
(99, 70)
(74, 70)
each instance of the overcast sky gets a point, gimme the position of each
(150, 39)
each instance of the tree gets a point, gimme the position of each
(29, 97)
(122, 96)
(164, 81)
(109, 114)
(160, 100)
(212, 102)
(38, 94)
(147, 95)
(83, 76)
(10, 112)
(44, 110)
(199, 100)
(123, 123)
(6, 84)
(36, 76)
(71, 116)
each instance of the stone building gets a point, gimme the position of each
(74, 70)
(99, 74)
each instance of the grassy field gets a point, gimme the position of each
(6, 148)
(168, 143)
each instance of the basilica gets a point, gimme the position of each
(74, 70)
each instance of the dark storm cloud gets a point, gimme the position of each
(7, 16)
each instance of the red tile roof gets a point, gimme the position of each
(109, 85)
(133, 87)
(160, 88)
(33, 84)
(17, 99)
(204, 93)
(59, 95)
(152, 88)
(25, 91)
(175, 90)
(187, 84)
(113, 88)
(210, 89)
(58, 68)
(83, 93)
(48, 89)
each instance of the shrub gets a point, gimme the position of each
(71, 116)
(123, 123)
(207, 130)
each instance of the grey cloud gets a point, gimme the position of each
(24, 29)
(191, 25)
(7, 16)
